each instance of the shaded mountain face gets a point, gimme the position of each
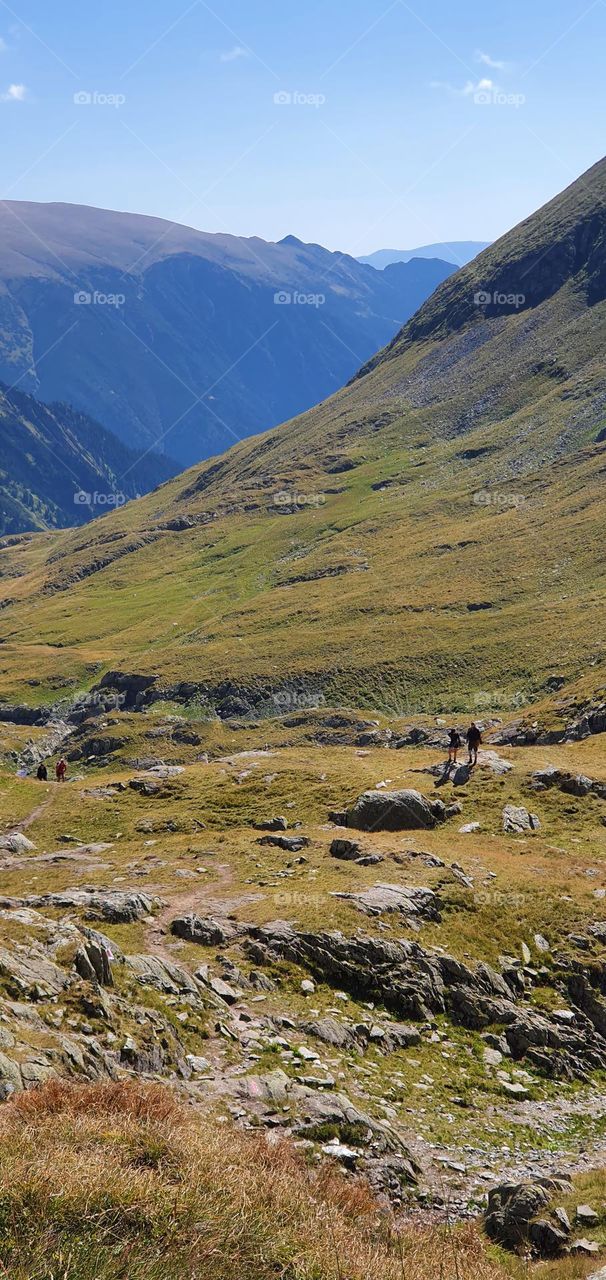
(180, 341)
(58, 467)
(459, 252)
(431, 537)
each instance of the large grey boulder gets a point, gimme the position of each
(404, 810)
(273, 1087)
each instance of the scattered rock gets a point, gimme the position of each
(586, 1216)
(570, 783)
(347, 1156)
(515, 1090)
(223, 990)
(347, 850)
(563, 1220)
(517, 820)
(198, 1065)
(584, 1246)
(292, 844)
(16, 842)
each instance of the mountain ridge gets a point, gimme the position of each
(459, 252)
(182, 340)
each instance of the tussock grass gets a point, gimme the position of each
(113, 1181)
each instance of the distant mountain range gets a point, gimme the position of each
(182, 341)
(58, 467)
(459, 253)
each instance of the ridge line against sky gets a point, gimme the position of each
(350, 123)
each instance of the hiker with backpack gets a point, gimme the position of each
(474, 741)
(454, 744)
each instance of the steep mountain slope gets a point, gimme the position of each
(181, 341)
(459, 252)
(431, 536)
(58, 467)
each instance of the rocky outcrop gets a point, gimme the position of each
(415, 983)
(518, 1217)
(112, 905)
(206, 931)
(572, 784)
(132, 688)
(384, 898)
(591, 719)
(164, 975)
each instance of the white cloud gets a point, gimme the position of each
(482, 86)
(487, 61)
(469, 89)
(3, 45)
(232, 55)
(14, 93)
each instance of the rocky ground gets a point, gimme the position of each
(401, 966)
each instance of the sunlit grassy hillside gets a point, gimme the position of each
(432, 531)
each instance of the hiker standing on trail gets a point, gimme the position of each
(454, 743)
(42, 774)
(61, 770)
(474, 740)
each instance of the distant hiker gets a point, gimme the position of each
(454, 743)
(42, 774)
(61, 770)
(474, 740)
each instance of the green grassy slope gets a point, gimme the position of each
(432, 531)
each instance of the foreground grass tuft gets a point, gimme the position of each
(105, 1182)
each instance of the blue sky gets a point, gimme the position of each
(396, 123)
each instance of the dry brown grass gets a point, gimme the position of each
(116, 1181)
